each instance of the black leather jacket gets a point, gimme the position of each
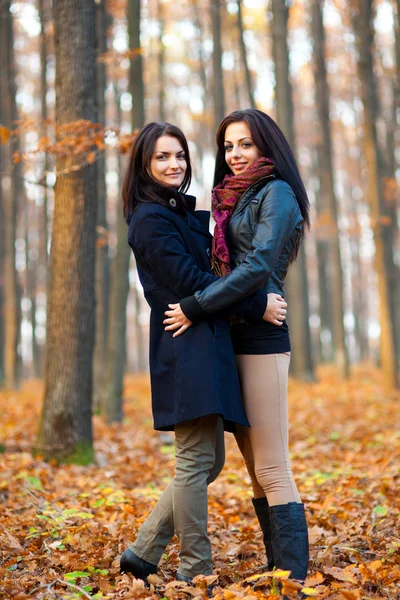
(263, 231)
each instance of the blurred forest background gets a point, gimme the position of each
(78, 77)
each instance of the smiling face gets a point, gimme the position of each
(168, 163)
(240, 150)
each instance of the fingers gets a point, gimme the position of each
(181, 330)
(173, 326)
(276, 322)
(173, 305)
(170, 320)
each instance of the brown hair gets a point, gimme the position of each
(271, 142)
(139, 185)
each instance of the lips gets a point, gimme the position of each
(239, 165)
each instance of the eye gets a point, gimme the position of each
(181, 157)
(160, 157)
(247, 144)
(228, 148)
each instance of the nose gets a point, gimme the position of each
(237, 153)
(173, 163)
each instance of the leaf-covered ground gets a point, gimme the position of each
(63, 528)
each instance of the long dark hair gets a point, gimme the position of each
(270, 140)
(139, 184)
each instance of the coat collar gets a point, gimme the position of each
(177, 201)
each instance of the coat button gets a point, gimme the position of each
(172, 203)
(208, 252)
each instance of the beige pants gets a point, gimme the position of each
(183, 506)
(264, 383)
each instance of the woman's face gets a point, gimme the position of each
(168, 163)
(240, 150)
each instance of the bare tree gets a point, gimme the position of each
(243, 55)
(2, 259)
(102, 260)
(327, 189)
(65, 431)
(297, 285)
(11, 200)
(363, 27)
(161, 61)
(116, 347)
(218, 74)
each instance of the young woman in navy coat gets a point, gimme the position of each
(194, 382)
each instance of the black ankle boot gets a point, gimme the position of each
(141, 569)
(261, 508)
(289, 538)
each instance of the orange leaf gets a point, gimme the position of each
(350, 594)
(4, 134)
(91, 157)
(313, 580)
(16, 158)
(340, 574)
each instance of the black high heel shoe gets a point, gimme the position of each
(141, 569)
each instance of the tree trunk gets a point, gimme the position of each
(392, 204)
(136, 85)
(161, 62)
(112, 404)
(31, 272)
(327, 189)
(43, 276)
(141, 363)
(325, 301)
(218, 74)
(102, 261)
(112, 400)
(297, 285)
(66, 422)
(2, 254)
(363, 28)
(243, 55)
(11, 202)
(203, 134)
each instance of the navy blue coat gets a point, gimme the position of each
(194, 374)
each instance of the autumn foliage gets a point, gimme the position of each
(64, 527)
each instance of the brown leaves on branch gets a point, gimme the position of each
(74, 145)
(63, 528)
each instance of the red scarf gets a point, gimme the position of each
(225, 197)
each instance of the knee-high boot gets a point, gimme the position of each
(289, 538)
(261, 508)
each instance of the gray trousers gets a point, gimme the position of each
(183, 506)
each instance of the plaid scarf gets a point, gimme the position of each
(225, 197)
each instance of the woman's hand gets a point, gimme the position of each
(176, 320)
(276, 310)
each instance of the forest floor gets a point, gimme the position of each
(63, 528)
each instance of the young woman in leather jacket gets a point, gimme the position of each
(260, 207)
(194, 381)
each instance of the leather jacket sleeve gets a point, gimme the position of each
(278, 214)
(160, 244)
